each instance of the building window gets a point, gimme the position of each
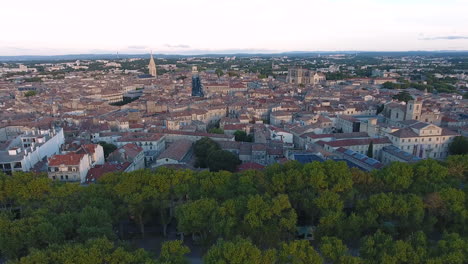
(53, 177)
(66, 177)
(61, 177)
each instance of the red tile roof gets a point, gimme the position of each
(70, 159)
(357, 142)
(250, 166)
(99, 170)
(87, 148)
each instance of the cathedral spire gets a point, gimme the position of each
(152, 66)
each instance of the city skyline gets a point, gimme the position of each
(206, 26)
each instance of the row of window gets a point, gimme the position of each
(422, 139)
(61, 177)
(52, 169)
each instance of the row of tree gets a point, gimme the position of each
(401, 214)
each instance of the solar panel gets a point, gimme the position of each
(349, 152)
(359, 156)
(371, 161)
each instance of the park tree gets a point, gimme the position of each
(137, 195)
(173, 252)
(98, 250)
(397, 176)
(268, 220)
(452, 248)
(198, 218)
(93, 223)
(298, 252)
(457, 166)
(430, 176)
(333, 249)
(238, 251)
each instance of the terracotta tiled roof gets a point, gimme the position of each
(70, 159)
(357, 142)
(99, 170)
(250, 166)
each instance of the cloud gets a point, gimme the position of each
(445, 38)
(179, 46)
(138, 47)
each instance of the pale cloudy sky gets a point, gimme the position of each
(50, 27)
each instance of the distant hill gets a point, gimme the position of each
(240, 54)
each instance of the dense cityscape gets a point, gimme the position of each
(286, 158)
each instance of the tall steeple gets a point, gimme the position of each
(152, 66)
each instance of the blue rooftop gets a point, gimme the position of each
(307, 158)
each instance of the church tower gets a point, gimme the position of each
(413, 110)
(152, 67)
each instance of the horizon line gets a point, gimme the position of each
(220, 52)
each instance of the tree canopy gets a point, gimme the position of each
(459, 146)
(403, 213)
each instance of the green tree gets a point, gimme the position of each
(98, 250)
(219, 72)
(197, 217)
(216, 130)
(173, 252)
(30, 93)
(222, 160)
(238, 251)
(459, 146)
(136, 193)
(107, 147)
(380, 108)
(370, 150)
(298, 252)
(398, 176)
(241, 135)
(333, 249)
(457, 166)
(94, 223)
(202, 148)
(403, 96)
(268, 220)
(450, 249)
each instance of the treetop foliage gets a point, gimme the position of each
(404, 213)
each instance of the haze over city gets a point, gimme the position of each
(54, 27)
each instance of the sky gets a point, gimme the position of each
(57, 27)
